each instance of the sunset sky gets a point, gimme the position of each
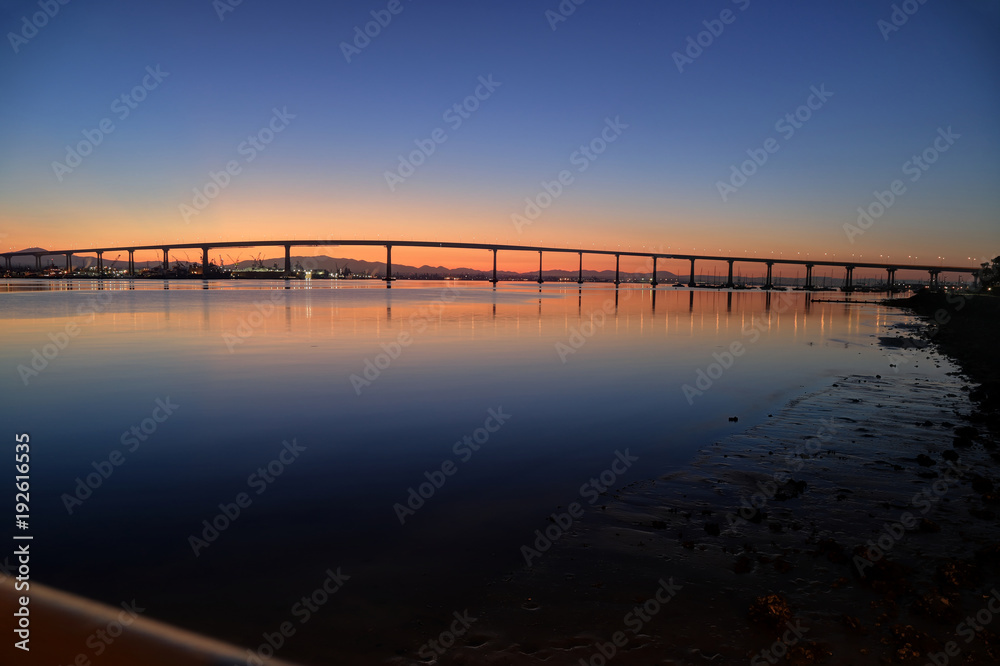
(211, 76)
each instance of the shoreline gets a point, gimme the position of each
(875, 533)
(966, 329)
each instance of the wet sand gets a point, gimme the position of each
(873, 538)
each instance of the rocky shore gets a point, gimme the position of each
(966, 328)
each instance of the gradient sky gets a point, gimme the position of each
(654, 187)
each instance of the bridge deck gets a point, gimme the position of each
(489, 246)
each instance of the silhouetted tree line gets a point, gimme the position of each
(989, 276)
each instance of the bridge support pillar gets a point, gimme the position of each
(540, 267)
(729, 281)
(38, 262)
(849, 279)
(494, 268)
(933, 282)
(131, 263)
(69, 263)
(204, 262)
(388, 267)
(691, 282)
(769, 284)
(809, 276)
(892, 278)
(288, 259)
(579, 274)
(166, 260)
(618, 263)
(7, 262)
(653, 282)
(100, 264)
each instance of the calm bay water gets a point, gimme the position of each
(582, 374)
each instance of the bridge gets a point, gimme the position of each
(848, 266)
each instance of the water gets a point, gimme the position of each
(582, 373)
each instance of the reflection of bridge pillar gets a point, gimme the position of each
(166, 260)
(579, 275)
(809, 276)
(131, 263)
(618, 259)
(729, 282)
(849, 279)
(768, 284)
(204, 262)
(540, 267)
(654, 282)
(691, 281)
(288, 259)
(388, 265)
(494, 268)
(69, 262)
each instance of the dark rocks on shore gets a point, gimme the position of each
(968, 331)
(961, 443)
(940, 607)
(743, 565)
(966, 432)
(910, 644)
(982, 485)
(833, 551)
(771, 610)
(854, 624)
(790, 490)
(928, 526)
(957, 574)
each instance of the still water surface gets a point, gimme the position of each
(581, 372)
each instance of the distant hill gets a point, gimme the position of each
(335, 264)
(377, 268)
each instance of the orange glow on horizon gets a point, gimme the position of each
(457, 221)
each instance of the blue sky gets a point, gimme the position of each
(656, 185)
